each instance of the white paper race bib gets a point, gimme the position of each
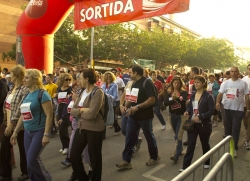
(231, 93)
(62, 97)
(8, 101)
(128, 94)
(26, 112)
(134, 95)
(210, 86)
(195, 107)
(70, 106)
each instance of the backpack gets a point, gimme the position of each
(155, 92)
(108, 115)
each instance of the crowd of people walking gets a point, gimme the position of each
(34, 106)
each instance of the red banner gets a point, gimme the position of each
(90, 13)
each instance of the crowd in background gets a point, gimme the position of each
(36, 105)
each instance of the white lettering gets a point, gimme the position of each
(36, 3)
(83, 15)
(98, 12)
(129, 6)
(104, 10)
(118, 4)
(110, 9)
(87, 13)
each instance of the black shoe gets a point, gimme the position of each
(5, 178)
(185, 143)
(23, 177)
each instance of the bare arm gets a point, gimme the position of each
(219, 97)
(17, 129)
(48, 110)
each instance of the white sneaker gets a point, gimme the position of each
(65, 151)
(235, 154)
(181, 170)
(61, 150)
(117, 133)
(163, 127)
(206, 166)
(247, 145)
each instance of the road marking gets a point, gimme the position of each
(151, 172)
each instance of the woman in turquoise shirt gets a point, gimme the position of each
(37, 121)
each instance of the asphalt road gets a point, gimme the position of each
(164, 170)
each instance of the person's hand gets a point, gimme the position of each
(247, 114)
(186, 114)
(196, 118)
(13, 138)
(59, 122)
(122, 109)
(45, 140)
(8, 130)
(132, 110)
(55, 95)
(217, 106)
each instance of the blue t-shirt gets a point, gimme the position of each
(33, 124)
(125, 78)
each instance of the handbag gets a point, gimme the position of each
(188, 125)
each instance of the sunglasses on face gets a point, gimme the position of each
(67, 79)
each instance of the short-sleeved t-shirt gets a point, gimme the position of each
(158, 85)
(143, 95)
(51, 89)
(235, 92)
(32, 98)
(120, 84)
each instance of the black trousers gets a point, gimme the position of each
(204, 131)
(94, 141)
(64, 133)
(5, 155)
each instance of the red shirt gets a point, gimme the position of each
(158, 85)
(170, 77)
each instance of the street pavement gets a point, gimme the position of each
(164, 170)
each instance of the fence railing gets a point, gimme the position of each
(226, 160)
(221, 147)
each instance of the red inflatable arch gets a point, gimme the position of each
(35, 32)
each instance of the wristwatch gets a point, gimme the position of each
(46, 134)
(138, 106)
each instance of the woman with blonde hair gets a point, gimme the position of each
(176, 98)
(110, 87)
(63, 93)
(36, 110)
(14, 97)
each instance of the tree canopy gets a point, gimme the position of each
(125, 42)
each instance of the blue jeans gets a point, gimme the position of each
(33, 149)
(133, 127)
(177, 123)
(157, 111)
(233, 119)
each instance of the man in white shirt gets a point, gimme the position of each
(246, 119)
(236, 90)
(121, 86)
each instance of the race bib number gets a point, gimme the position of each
(134, 95)
(8, 101)
(195, 107)
(231, 93)
(62, 97)
(70, 106)
(176, 106)
(210, 86)
(26, 112)
(128, 94)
